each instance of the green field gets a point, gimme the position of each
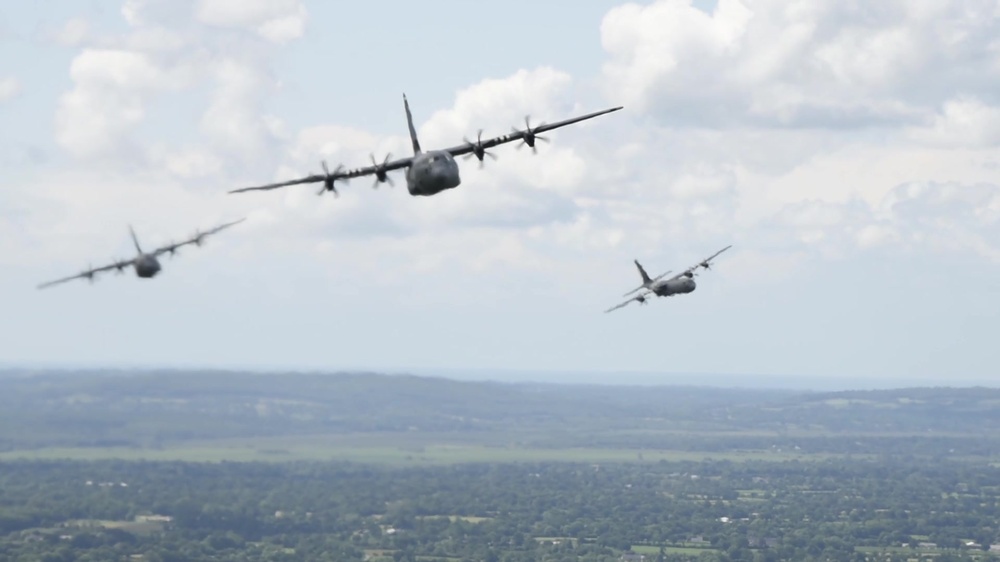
(923, 553)
(649, 550)
(300, 449)
(466, 518)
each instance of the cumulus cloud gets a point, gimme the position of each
(278, 21)
(186, 163)
(119, 81)
(72, 33)
(540, 91)
(821, 63)
(9, 87)
(111, 89)
(963, 121)
(918, 217)
(232, 119)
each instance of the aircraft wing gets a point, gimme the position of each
(196, 239)
(89, 274)
(469, 147)
(338, 174)
(651, 281)
(640, 297)
(706, 263)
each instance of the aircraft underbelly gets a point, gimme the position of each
(146, 269)
(427, 184)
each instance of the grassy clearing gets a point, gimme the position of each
(284, 450)
(922, 553)
(374, 555)
(654, 550)
(134, 527)
(453, 518)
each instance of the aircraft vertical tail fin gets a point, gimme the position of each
(409, 123)
(645, 279)
(135, 240)
(645, 276)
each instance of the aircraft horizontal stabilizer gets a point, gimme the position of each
(640, 287)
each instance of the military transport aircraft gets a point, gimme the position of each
(681, 283)
(145, 264)
(428, 173)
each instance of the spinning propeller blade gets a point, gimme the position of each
(528, 136)
(381, 175)
(477, 149)
(329, 179)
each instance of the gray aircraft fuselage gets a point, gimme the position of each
(432, 172)
(668, 287)
(146, 266)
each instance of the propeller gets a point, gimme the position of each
(120, 267)
(477, 149)
(198, 238)
(706, 264)
(329, 179)
(528, 135)
(90, 273)
(642, 299)
(381, 174)
(172, 250)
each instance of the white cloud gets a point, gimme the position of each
(875, 235)
(820, 63)
(919, 217)
(233, 120)
(539, 92)
(186, 163)
(156, 13)
(963, 122)
(9, 87)
(73, 33)
(111, 89)
(278, 21)
(118, 80)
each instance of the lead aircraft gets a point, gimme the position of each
(428, 173)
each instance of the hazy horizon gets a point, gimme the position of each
(561, 377)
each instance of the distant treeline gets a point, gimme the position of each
(156, 408)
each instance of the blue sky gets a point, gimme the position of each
(849, 152)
